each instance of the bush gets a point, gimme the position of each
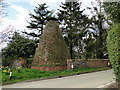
(113, 45)
(29, 62)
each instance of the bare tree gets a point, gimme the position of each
(6, 33)
(3, 12)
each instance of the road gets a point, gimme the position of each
(88, 80)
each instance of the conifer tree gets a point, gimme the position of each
(112, 10)
(99, 26)
(38, 19)
(73, 24)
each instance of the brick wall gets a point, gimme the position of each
(76, 64)
(87, 63)
(97, 63)
(50, 68)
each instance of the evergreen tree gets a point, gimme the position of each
(18, 46)
(112, 10)
(90, 46)
(73, 24)
(99, 26)
(38, 20)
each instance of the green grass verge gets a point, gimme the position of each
(29, 74)
(0, 77)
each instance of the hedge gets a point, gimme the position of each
(113, 46)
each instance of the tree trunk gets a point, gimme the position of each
(119, 85)
(71, 51)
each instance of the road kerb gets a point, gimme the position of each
(105, 85)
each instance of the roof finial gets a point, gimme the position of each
(52, 18)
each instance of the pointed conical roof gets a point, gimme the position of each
(52, 48)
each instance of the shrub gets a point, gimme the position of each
(29, 62)
(113, 45)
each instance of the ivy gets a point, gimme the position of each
(113, 45)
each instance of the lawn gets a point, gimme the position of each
(23, 74)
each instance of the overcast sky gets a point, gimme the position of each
(18, 11)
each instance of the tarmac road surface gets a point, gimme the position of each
(88, 80)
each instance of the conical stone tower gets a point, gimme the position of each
(52, 48)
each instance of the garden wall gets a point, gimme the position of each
(76, 64)
(50, 68)
(87, 63)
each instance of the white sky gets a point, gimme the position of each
(18, 20)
